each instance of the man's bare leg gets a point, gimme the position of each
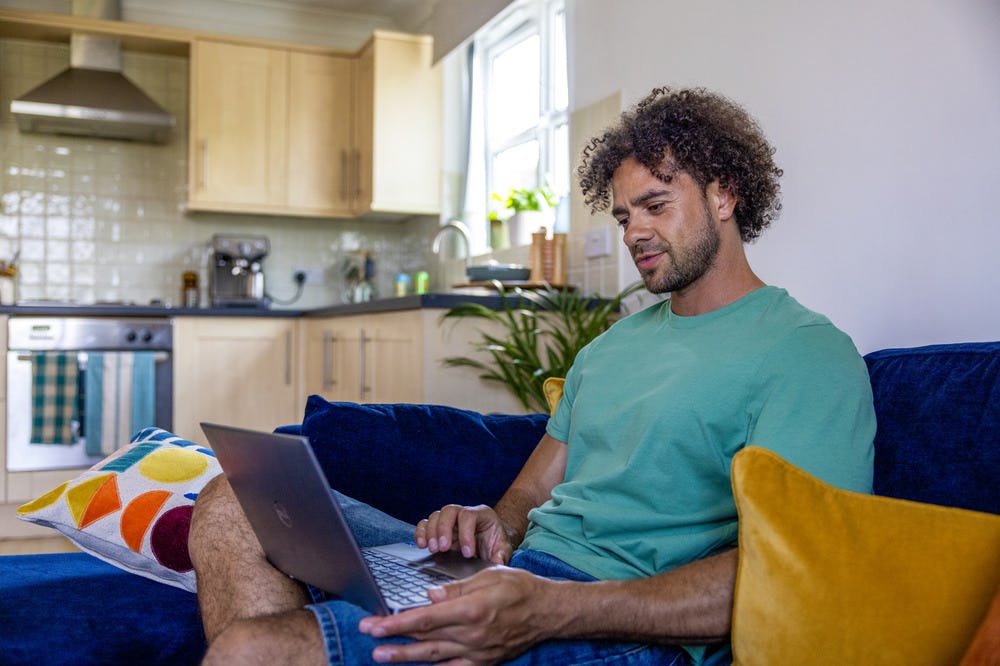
(249, 609)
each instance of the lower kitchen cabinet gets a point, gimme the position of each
(241, 371)
(365, 358)
(397, 357)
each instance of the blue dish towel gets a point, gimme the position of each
(119, 398)
(54, 391)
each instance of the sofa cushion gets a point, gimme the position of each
(938, 411)
(833, 577)
(409, 460)
(133, 509)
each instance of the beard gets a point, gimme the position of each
(686, 264)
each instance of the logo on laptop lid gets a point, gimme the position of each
(282, 513)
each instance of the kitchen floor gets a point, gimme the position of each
(56, 544)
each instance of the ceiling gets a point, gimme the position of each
(405, 14)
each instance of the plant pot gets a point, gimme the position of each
(521, 225)
(499, 240)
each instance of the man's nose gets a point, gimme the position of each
(638, 229)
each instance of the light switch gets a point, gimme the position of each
(597, 243)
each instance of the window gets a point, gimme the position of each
(520, 119)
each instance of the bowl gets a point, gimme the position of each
(502, 272)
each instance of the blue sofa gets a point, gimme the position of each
(938, 441)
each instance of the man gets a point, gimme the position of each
(620, 530)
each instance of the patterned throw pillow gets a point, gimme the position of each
(133, 509)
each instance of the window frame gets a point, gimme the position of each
(520, 21)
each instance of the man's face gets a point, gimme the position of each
(668, 227)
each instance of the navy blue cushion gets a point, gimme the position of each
(409, 460)
(938, 411)
(72, 608)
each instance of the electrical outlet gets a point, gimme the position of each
(597, 243)
(314, 274)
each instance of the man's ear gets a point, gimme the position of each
(722, 198)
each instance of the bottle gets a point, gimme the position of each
(421, 282)
(189, 294)
(402, 282)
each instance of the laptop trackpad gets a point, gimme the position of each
(451, 562)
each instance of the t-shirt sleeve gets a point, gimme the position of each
(813, 406)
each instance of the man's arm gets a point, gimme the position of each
(494, 533)
(500, 613)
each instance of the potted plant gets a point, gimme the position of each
(525, 210)
(542, 333)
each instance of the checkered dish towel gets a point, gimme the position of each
(54, 391)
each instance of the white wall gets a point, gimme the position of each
(886, 117)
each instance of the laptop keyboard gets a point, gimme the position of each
(401, 584)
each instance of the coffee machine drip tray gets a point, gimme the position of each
(236, 276)
(261, 303)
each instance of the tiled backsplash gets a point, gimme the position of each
(98, 219)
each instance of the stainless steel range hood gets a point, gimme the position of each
(93, 97)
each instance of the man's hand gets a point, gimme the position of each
(487, 618)
(473, 530)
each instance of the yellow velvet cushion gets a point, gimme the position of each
(833, 577)
(553, 389)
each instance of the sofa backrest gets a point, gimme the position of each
(938, 412)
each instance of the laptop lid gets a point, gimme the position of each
(287, 501)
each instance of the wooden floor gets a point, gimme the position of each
(55, 544)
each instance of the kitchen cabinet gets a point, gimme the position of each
(397, 127)
(264, 124)
(365, 358)
(397, 357)
(241, 371)
(319, 129)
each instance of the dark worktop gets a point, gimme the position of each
(413, 302)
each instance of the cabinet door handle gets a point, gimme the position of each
(362, 387)
(345, 176)
(328, 381)
(357, 174)
(288, 358)
(203, 154)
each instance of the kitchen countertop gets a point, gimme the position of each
(412, 302)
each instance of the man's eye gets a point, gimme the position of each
(622, 222)
(655, 207)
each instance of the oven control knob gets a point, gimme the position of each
(147, 335)
(131, 336)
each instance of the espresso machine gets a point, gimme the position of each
(236, 276)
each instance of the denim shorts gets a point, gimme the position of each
(346, 646)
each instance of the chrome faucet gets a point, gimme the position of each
(461, 230)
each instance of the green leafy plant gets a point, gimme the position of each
(542, 332)
(522, 199)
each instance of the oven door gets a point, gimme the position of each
(27, 449)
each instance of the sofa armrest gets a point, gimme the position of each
(409, 460)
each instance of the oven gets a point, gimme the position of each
(79, 387)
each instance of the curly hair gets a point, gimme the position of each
(703, 134)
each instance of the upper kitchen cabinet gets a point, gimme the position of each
(266, 125)
(397, 127)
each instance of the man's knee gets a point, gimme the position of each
(283, 638)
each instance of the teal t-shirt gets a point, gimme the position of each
(654, 410)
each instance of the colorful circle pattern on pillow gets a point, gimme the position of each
(133, 509)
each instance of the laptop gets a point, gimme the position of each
(300, 526)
